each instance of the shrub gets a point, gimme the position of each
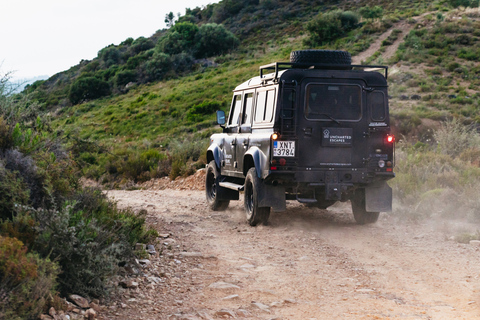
(141, 44)
(213, 39)
(13, 192)
(326, 27)
(454, 137)
(110, 55)
(172, 43)
(157, 66)
(371, 13)
(124, 77)
(87, 88)
(207, 107)
(88, 239)
(26, 281)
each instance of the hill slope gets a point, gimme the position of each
(155, 128)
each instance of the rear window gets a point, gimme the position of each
(338, 101)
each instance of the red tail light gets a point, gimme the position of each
(390, 138)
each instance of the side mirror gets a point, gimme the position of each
(221, 117)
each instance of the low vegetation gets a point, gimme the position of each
(55, 235)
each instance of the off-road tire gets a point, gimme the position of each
(254, 214)
(211, 188)
(325, 57)
(361, 215)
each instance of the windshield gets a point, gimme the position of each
(333, 101)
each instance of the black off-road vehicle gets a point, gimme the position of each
(315, 129)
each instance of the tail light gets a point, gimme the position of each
(390, 138)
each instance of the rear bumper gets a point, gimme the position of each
(321, 177)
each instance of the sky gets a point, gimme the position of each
(44, 37)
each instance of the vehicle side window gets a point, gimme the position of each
(270, 105)
(265, 105)
(235, 112)
(247, 114)
(376, 101)
(260, 109)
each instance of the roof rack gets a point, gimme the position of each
(279, 66)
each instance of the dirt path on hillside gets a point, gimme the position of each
(306, 264)
(390, 50)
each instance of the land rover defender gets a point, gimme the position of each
(315, 129)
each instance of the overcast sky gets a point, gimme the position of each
(44, 37)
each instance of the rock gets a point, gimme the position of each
(225, 312)
(79, 301)
(291, 301)
(403, 97)
(243, 313)
(95, 306)
(52, 312)
(364, 290)
(223, 285)
(164, 235)
(247, 266)
(90, 314)
(475, 243)
(415, 97)
(144, 262)
(151, 249)
(192, 254)
(261, 306)
(128, 284)
(45, 317)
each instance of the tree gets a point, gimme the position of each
(170, 19)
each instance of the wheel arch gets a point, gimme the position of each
(214, 153)
(254, 157)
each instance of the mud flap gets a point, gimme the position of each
(378, 197)
(272, 196)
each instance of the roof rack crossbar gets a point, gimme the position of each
(278, 66)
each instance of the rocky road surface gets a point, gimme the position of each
(306, 264)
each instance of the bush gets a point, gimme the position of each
(26, 281)
(141, 44)
(207, 107)
(110, 55)
(124, 77)
(157, 66)
(87, 88)
(213, 39)
(326, 27)
(454, 137)
(88, 239)
(371, 13)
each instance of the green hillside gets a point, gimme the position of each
(145, 108)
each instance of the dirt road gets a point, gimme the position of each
(307, 264)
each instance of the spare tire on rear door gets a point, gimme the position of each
(324, 57)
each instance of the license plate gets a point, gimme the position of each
(284, 148)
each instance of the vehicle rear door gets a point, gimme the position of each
(331, 129)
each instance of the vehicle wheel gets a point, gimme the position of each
(211, 188)
(333, 57)
(361, 215)
(255, 215)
